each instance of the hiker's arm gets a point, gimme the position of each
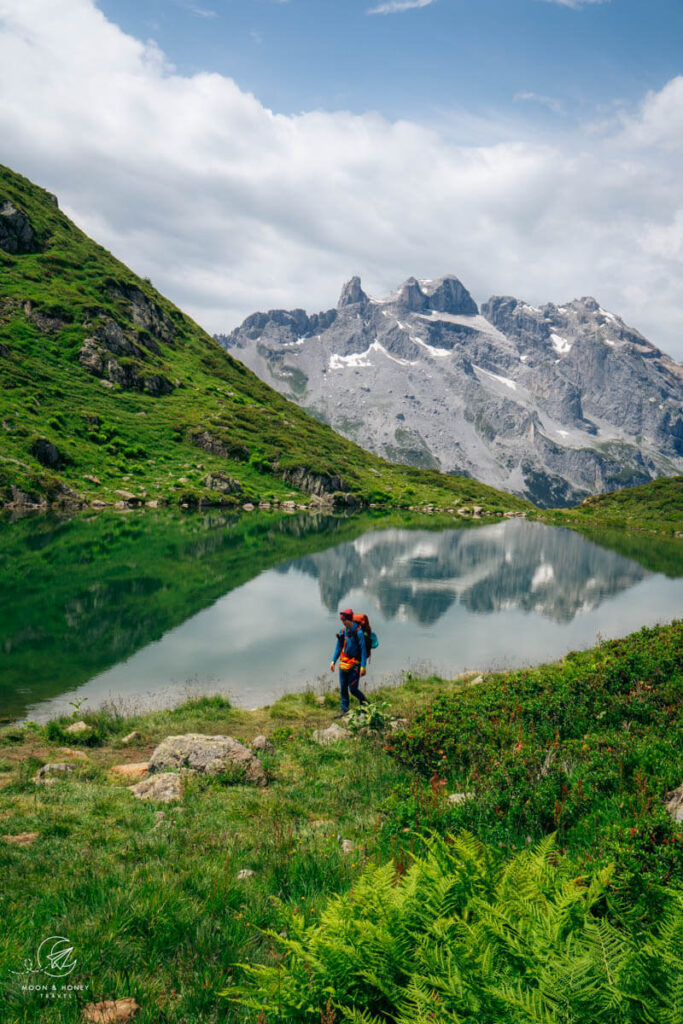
(336, 654)
(363, 652)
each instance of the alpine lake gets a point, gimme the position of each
(146, 609)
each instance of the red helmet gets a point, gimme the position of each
(346, 614)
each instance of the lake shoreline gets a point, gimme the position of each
(226, 867)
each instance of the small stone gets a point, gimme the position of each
(398, 724)
(348, 846)
(54, 769)
(248, 507)
(106, 383)
(331, 735)
(133, 771)
(262, 743)
(68, 752)
(164, 787)
(152, 504)
(245, 873)
(459, 798)
(111, 1011)
(320, 701)
(125, 495)
(674, 804)
(22, 838)
(130, 737)
(91, 479)
(78, 728)
(97, 503)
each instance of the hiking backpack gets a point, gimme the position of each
(361, 619)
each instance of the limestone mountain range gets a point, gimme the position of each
(552, 403)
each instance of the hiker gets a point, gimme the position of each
(352, 654)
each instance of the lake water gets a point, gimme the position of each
(147, 613)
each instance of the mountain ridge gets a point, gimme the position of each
(552, 403)
(111, 395)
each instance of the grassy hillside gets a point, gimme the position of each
(107, 386)
(657, 506)
(152, 900)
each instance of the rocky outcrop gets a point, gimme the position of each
(207, 755)
(47, 453)
(221, 483)
(552, 403)
(309, 482)
(98, 356)
(222, 446)
(155, 324)
(352, 294)
(17, 235)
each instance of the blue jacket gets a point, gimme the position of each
(355, 644)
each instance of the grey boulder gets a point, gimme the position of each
(332, 735)
(164, 788)
(207, 755)
(674, 804)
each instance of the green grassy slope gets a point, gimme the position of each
(156, 909)
(106, 385)
(656, 506)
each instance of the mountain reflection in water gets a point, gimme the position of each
(150, 610)
(416, 575)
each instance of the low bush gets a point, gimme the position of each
(588, 747)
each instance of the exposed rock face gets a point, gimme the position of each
(46, 453)
(17, 235)
(552, 403)
(313, 483)
(207, 754)
(352, 293)
(222, 483)
(98, 356)
(147, 315)
(219, 446)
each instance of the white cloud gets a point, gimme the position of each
(230, 208)
(396, 6)
(576, 4)
(546, 101)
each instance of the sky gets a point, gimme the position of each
(255, 154)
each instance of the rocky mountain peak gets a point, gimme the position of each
(352, 293)
(448, 295)
(410, 297)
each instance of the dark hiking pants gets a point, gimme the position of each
(348, 683)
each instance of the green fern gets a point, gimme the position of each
(462, 938)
